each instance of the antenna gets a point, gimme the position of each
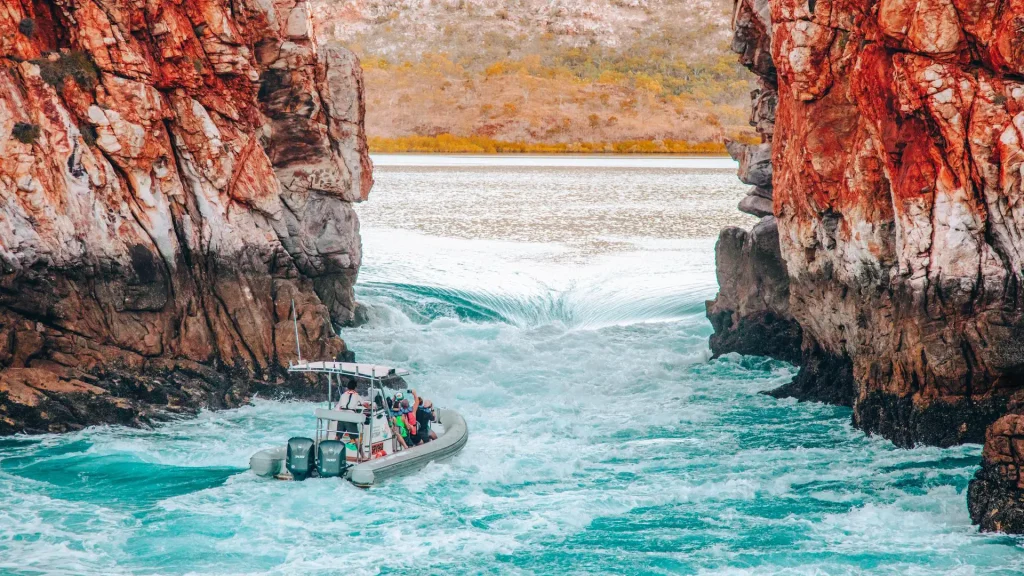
(295, 321)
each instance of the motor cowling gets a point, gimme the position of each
(330, 458)
(300, 457)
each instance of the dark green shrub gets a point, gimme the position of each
(27, 27)
(25, 133)
(272, 81)
(88, 132)
(74, 65)
(198, 65)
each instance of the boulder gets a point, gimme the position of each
(756, 206)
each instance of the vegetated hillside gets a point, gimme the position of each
(545, 75)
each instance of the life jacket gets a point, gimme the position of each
(345, 402)
(400, 422)
(410, 422)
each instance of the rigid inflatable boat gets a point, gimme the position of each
(359, 445)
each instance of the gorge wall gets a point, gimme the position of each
(895, 131)
(173, 175)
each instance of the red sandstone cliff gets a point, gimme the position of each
(173, 174)
(897, 187)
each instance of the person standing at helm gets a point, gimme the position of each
(351, 402)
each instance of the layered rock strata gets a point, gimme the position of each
(897, 183)
(174, 175)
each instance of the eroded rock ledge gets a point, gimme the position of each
(896, 137)
(173, 176)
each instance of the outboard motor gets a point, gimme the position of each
(330, 458)
(300, 457)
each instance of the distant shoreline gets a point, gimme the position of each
(722, 154)
(450, 144)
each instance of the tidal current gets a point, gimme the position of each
(557, 303)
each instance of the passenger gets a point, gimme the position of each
(424, 416)
(396, 405)
(397, 422)
(416, 401)
(398, 428)
(409, 418)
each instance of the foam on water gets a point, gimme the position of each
(603, 440)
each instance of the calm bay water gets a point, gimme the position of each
(558, 304)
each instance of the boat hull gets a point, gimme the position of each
(447, 445)
(269, 463)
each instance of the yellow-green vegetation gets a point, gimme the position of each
(532, 76)
(449, 144)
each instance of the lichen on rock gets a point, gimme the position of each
(190, 176)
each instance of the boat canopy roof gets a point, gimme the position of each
(349, 369)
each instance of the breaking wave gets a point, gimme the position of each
(577, 307)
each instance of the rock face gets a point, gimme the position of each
(897, 184)
(994, 497)
(751, 313)
(173, 175)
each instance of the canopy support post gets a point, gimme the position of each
(329, 381)
(295, 322)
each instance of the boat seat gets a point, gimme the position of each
(340, 415)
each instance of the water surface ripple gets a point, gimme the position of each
(603, 439)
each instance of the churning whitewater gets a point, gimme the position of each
(559, 305)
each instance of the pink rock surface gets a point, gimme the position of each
(897, 157)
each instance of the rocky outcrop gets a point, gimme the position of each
(173, 176)
(897, 182)
(751, 313)
(995, 497)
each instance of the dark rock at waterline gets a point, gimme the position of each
(760, 334)
(941, 423)
(750, 315)
(37, 401)
(360, 315)
(995, 496)
(822, 378)
(994, 502)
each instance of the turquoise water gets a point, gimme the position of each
(560, 309)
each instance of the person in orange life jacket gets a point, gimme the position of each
(409, 419)
(349, 402)
(418, 420)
